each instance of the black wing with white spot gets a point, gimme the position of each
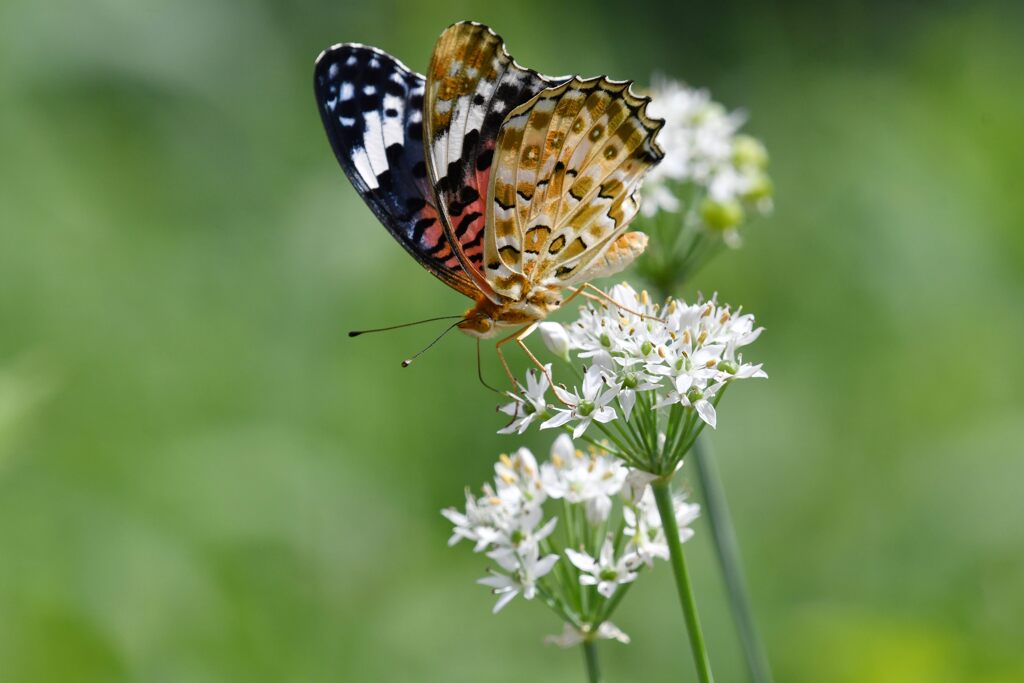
(372, 109)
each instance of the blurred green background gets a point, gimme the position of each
(203, 479)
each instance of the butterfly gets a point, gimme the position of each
(509, 186)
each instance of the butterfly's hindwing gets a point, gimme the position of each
(472, 85)
(372, 109)
(567, 167)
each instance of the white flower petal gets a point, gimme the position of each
(504, 600)
(581, 561)
(706, 412)
(561, 417)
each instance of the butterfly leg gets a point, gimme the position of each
(605, 299)
(504, 364)
(519, 336)
(575, 293)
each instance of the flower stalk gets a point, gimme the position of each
(663, 496)
(728, 551)
(590, 661)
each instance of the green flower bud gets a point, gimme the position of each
(517, 537)
(694, 394)
(761, 187)
(608, 575)
(721, 215)
(606, 341)
(749, 151)
(646, 348)
(585, 408)
(630, 381)
(728, 367)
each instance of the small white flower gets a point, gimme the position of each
(588, 478)
(636, 485)
(556, 339)
(572, 636)
(591, 406)
(627, 377)
(479, 523)
(691, 394)
(606, 571)
(528, 406)
(520, 574)
(521, 533)
(644, 530)
(517, 479)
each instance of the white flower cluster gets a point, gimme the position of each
(601, 496)
(672, 354)
(505, 522)
(703, 146)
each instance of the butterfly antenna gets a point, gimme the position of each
(408, 361)
(356, 333)
(480, 370)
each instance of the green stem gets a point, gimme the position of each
(663, 496)
(728, 551)
(590, 658)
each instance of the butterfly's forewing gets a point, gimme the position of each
(472, 85)
(567, 167)
(372, 109)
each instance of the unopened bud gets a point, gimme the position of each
(749, 151)
(761, 187)
(556, 339)
(721, 215)
(728, 367)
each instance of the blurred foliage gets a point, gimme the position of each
(202, 479)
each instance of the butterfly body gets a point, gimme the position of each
(509, 186)
(487, 319)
